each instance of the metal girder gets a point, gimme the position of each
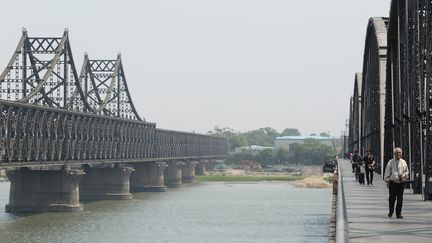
(105, 88)
(373, 88)
(407, 88)
(42, 72)
(355, 115)
(33, 134)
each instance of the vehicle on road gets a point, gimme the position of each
(329, 165)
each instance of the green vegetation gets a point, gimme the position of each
(248, 178)
(290, 132)
(265, 157)
(310, 153)
(261, 137)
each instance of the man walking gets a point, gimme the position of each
(396, 173)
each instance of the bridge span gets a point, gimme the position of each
(392, 96)
(67, 137)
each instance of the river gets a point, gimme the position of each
(202, 212)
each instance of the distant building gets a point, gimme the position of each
(253, 149)
(286, 141)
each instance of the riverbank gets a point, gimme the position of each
(308, 179)
(248, 178)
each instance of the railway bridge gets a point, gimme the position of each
(69, 136)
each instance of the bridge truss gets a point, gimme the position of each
(407, 90)
(51, 115)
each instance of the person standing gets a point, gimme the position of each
(396, 173)
(369, 166)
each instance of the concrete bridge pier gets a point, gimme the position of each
(188, 171)
(148, 177)
(200, 168)
(35, 191)
(105, 183)
(173, 174)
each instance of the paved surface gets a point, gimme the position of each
(367, 208)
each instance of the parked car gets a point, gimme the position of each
(329, 165)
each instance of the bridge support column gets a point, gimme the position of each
(188, 171)
(148, 177)
(105, 184)
(173, 174)
(44, 190)
(200, 168)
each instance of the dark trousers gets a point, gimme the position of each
(357, 171)
(369, 175)
(361, 178)
(396, 191)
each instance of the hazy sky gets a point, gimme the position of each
(194, 64)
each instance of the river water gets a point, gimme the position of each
(202, 212)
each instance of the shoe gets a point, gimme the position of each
(399, 217)
(390, 215)
(368, 183)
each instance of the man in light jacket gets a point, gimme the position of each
(396, 173)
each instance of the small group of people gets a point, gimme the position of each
(395, 175)
(363, 167)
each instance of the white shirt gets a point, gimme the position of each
(394, 169)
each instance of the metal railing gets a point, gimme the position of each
(342, 235)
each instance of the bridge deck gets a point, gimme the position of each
(367, 208)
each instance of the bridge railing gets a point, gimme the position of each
(30, 133)
(342, 230)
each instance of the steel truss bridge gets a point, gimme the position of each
(392, 98)
(52, 115)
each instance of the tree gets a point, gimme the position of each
(311, 152)
(270, 132)
(325, 134)
(281, 156)
(259, 137)
(290, 132)
(265, 156)
(235, 139)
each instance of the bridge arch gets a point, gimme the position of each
(42, 71)
(355, 115)
(373, 87)
(105, 88)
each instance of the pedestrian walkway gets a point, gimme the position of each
(367, 209)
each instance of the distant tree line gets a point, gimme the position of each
(264, 157)
(311, 152)
(262, 137)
